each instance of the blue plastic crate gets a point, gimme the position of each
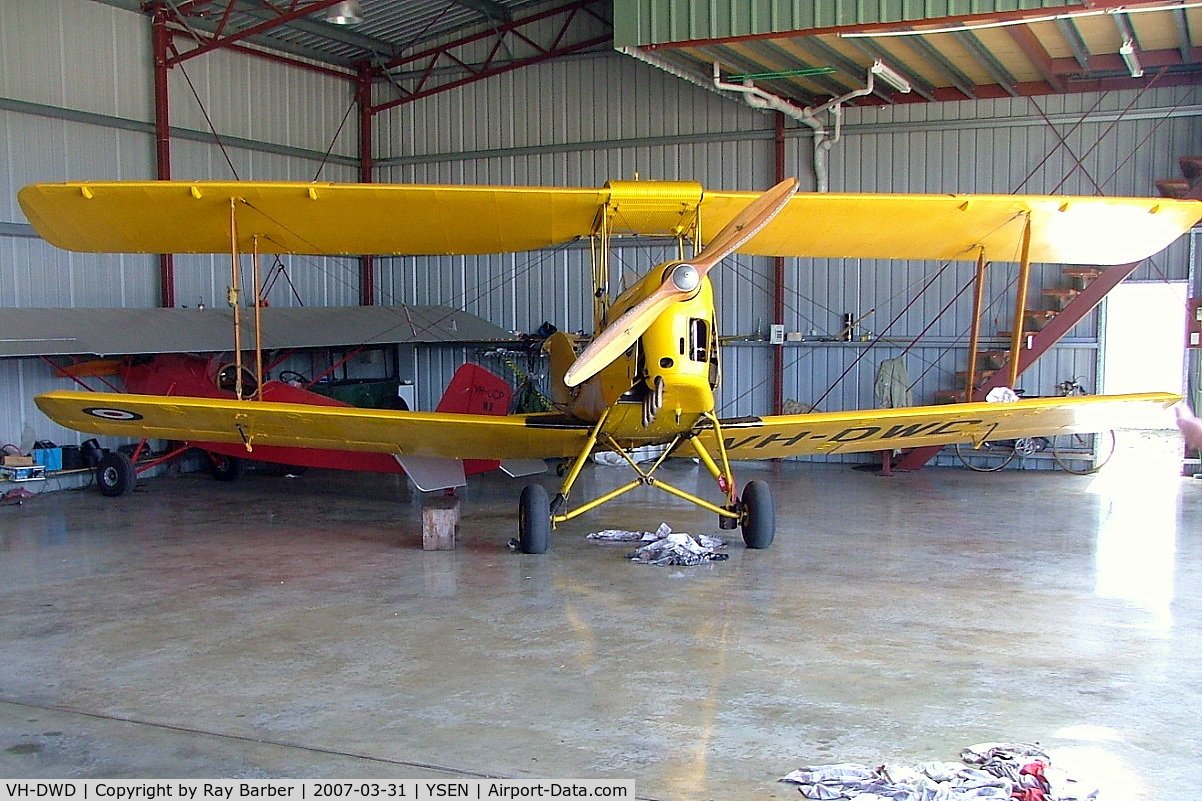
(50, 458)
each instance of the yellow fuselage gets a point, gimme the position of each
(666, 381)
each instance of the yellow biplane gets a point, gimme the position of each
(649, 375)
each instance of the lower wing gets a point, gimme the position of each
(251, 423)
(916, 426)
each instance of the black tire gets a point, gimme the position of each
(759, 515)
(989, 458)
(115, 475)
(226, 468)
(534, 520)
(1083, 454)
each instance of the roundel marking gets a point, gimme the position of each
(108, 413)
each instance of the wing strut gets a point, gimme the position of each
(1020, 305)
(234, 301)
(974, 335)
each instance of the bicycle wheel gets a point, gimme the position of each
(1083, 454)
(988, 458)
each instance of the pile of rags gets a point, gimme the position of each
(667, 547)
(1002, 771)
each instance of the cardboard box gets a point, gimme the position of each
(17, 461)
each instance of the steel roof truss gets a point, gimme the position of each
(220, 39)
(431, 58)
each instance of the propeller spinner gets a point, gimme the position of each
(680, 283)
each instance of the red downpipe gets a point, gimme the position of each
(778, 280)
(367, 264)
(162, 138)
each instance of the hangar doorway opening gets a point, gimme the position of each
(1144, 351)
(1145, 341)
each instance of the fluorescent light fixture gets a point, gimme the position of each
(348, 12)
(1127, 51)
(889, 76)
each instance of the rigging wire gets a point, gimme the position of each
(209, 122)
(326, 158)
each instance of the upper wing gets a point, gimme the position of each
(916, 426)
(1072, 230)
(178, 217)
(183, 217)
(452, 436)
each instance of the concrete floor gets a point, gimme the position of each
(293, 627)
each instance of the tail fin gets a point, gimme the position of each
(563, 354)
(474, 390)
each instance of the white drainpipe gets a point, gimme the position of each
(823, 142)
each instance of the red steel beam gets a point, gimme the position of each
(160, 39)
(508, 27)
(778, 277)
(218, 41)
(1034, 50)
(487, 69)
(367, 264)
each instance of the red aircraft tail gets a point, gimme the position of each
(472, 390)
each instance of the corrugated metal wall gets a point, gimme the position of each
(578, 121)
(76, 103)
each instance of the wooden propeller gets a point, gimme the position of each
(680, 282)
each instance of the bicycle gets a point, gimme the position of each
(1071, 451)
(1079, 454)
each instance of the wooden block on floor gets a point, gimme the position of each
(440, 522)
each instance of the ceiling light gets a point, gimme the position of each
(1127, 51)
(347, 12)
(889, 76)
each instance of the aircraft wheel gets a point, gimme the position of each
(115, 475)
(226, 468)
(759, 515)
(534, 520)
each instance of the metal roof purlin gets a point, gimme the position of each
(219, 40)
(488, 8)
(871, 48)
(1000, 74)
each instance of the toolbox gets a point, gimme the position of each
(35, 472)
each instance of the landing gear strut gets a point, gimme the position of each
(756, 512)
